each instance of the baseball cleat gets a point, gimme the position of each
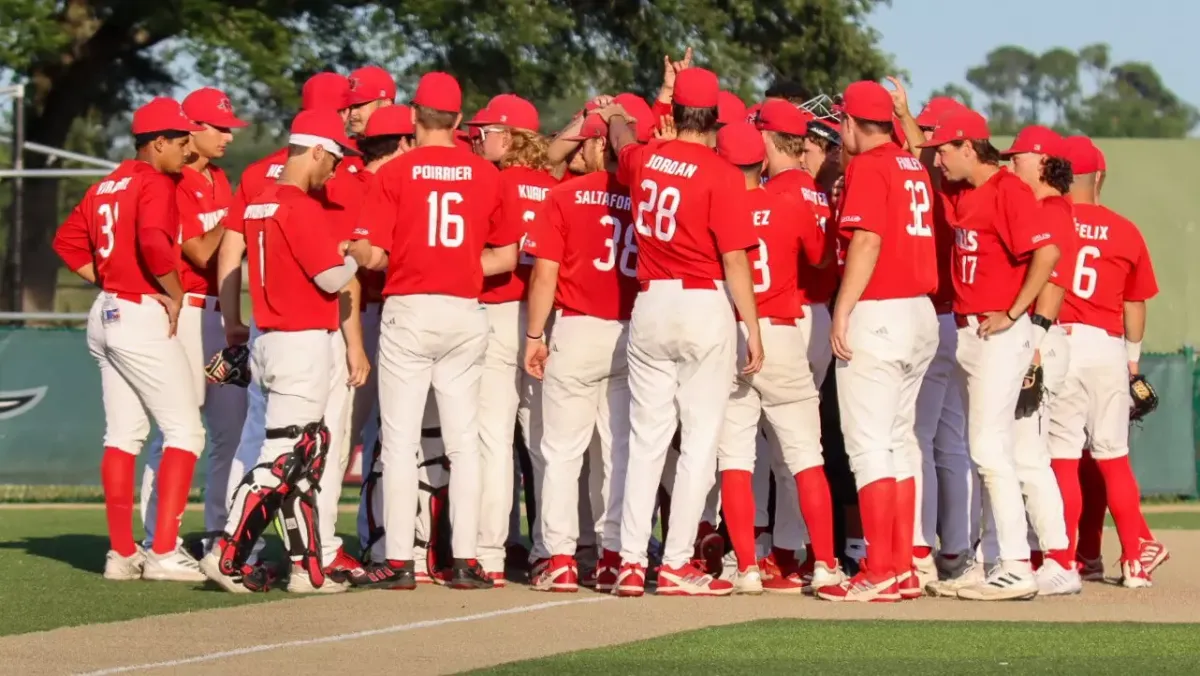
(631, 580)
(926, 569)
(748, 582)
(299, 582)
(562, 575)
(823, 576)
(951, 566)
(122, 568)
(1091, 570)
(210, 565)
(1054, 580)
(1010, 581)
(176, 566)
(729, 567)
(969, 574)
(498, 579)
(467, 574)
(1152, 554)
(859, 589)
(1134, 576)
(687, 580)
(909, 584)
(349, 571)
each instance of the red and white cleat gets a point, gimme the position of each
(562, 575)
(859, 589)
(687, 580)
(1152, 554)
(631, 580)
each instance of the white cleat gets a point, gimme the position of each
(951, 569)
(122, 568)
(747, 581)
(1134, 576)
(1010, 581)
(177, 566)
(1054, 580)
(970, 573)
(210, 565)
(729, 567)
(926, 570)
(824, 576)
(300, 583)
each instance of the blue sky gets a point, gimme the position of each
(938, 40)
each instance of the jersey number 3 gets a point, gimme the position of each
(109, 215)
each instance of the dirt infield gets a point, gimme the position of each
(435, 631)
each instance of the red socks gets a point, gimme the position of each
(1124, 500)
(737, 501)
(904, 524)
(1067, 473)
(921, 552)
(174, 482)
(1095, 505)
(817, 509)
(116, 475)
(877, 509)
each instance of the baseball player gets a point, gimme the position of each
(948, 505)
(1002, 259)
(297, 275)
(371, 88)
(692, 237)
(784, 392)
(509, 137)
(1035, 155)
(428, 218)
(203, 197)
(122, 237)
(584, 243)
(1104, 318)
(884, 335)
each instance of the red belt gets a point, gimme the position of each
(1067, 329)
(572, 313)
(687, 283)
(131, 297)
(782, 321)
(201, 302)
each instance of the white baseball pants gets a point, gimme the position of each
(992, 371)
(818, 324)
(585, 392)
(440, 341)
(682, 356)
(1094, 401)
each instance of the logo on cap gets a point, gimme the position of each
(225, 105)
(1037, 146)
(355, 83)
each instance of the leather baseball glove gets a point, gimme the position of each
(230, 366)
(1032, 389)
(1145, 399)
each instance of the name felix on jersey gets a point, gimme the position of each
(604, 199)
(109, 187)
(1092, 232)
(671, 167)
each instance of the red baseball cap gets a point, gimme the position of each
(211, 106)
(325, 91)
(958, 125)
(395, 120)
(741, 144)
(1036, 139)
(753, 111)
(868, 100)
(162, 114)
(593, 127)
(1101, 164)
(323, 128)
(730, 108)
(937, 106)
(697, 88)
(784, 117)
(509, 110)
(1081, 153)
(439, 91)
(462, 139)
(644, 121)
(371, 83)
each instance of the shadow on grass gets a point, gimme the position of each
(81, 551)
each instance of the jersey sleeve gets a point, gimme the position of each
(190, 225)
(506, 224)
(157, 224)
(862, 208)
(730, 214)
(627, 161)
(377, 220)
(236, 220)
(813, 241)
(71, 242)
(1060, 222)
(1020, 226)
(1141, 283)
(547, 234)
(309, 237)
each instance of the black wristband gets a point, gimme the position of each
(537, 337)
(1010, 317)
(1039, 320)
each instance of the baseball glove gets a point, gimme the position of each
(230, 366)
(1145, 399)
(1030, 399)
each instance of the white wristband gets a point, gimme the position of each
(1039, 334)
(1133, 350)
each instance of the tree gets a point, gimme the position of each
(1123, 100)
(98, 57)
(957, 92)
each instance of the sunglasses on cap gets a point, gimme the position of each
(484, 131)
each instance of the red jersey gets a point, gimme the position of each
(996, 226)
(434, 209)
(127, 225)
(522, 190)
(943, 242)
(887, 192)
(816, 284)
(342, 198)
(255, 178)
(1059, 219)
(290, 242)
(203, 205)
(587, 228)
(689, 209)
(1113, 266)
(787, 230)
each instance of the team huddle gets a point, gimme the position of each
(663, 302)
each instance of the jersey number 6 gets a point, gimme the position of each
(445, 228)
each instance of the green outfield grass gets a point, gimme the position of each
(830, 647)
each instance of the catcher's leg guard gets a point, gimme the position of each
(372, 501)
(436, 500)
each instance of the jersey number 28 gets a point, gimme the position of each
(663, 204)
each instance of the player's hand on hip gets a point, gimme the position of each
(172, 307)
(236, 334)
(994, 322)
(536, 354)
(358, 365)
(838, 339)
(754, 354)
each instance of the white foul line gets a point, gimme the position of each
(395, 629)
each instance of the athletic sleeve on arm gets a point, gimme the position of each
(1020, 225)
(309, 236)
(730, 216)
(71, 242)
(157, 224)
(864, 206)
(1141, 283)
(548, 231)
(377, 220)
